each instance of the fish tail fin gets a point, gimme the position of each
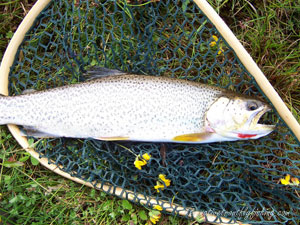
(3, 110)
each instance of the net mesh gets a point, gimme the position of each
(238, 180)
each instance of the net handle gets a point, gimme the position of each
(251, 66)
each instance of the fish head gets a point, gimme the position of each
(236, 117)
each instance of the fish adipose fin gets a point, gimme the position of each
(98, 72)
(116, 138)
(34, 132)
(196, 137)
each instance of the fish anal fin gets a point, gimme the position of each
(194, 137)
(115, 138)
(35, 132)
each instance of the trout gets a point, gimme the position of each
(137, 108)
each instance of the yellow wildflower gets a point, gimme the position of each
(154, 219)
(154, 216)
(139, 162)
(159, 186)
(146, 156)
(166, 181)
(286, 180)
(213, 43)
(215, 38)
(295, 181)
(158, 207)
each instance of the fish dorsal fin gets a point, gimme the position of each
(98, 72)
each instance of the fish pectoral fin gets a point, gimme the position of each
(98, 72)
(34, 132)
(194, 137)
(115, 138)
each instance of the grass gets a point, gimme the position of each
(30, 194)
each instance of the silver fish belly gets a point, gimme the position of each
(123, 107)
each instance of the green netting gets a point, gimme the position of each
(238, 180)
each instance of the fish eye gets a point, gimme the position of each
(251, 106)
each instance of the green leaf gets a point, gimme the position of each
(126, 205)
(94, 62)
(103, 194)
(93, 193)
(24, 158)
(143, 215)
(184, 5)
(112, 215)
(30, 142)
(34, 161)
(107, 205)
(154, 213)
(12, 164)
(7, 179)
(134, 218)
(74, 81)
(13, 200)
(9, 34)
(126, 217)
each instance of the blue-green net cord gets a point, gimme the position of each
(170, 38)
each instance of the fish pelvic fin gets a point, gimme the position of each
(116, 138)
(194, 137)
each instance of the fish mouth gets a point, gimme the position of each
(261, 127)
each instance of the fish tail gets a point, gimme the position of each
(3, 110)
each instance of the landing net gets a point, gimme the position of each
(236, 180)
